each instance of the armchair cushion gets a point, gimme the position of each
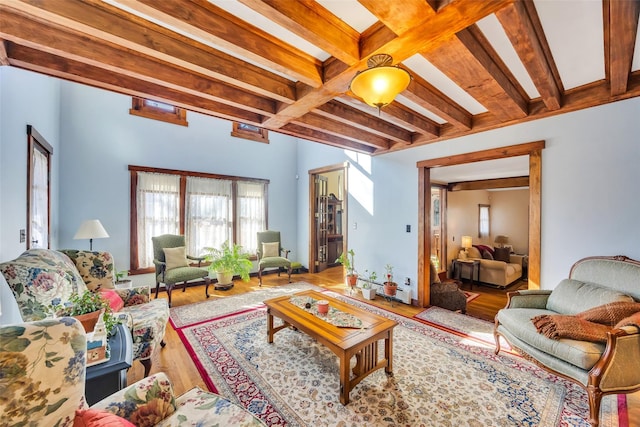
(501, 254)
(112, 298)
(95, 267)
(563, 298)
(96, 418)
(175, 257)
(270, 249)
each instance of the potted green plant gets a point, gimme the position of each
(87, 308)
(390, 287)
(121, 279)
(368, 291)
(347, 260)
(227, 261)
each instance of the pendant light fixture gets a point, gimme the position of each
(379, 84)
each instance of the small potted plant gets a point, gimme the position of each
(368, 291)
(390, 287)
(87, 308)
(227, 261)
(347, 260)
(122, 281)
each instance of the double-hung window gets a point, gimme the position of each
(208, 209)
(484, 221)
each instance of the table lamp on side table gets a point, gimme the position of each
(466, 244)
(91, 229)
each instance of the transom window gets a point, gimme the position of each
(208, 209)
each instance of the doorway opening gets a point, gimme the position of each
(327, 215)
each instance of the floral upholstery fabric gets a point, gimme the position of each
(42, 382)
(149, 323)
(40, 279)
(95, 268)
(42, 372)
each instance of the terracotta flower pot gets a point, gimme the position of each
(352, 280)
(390, 288)
(88, 320)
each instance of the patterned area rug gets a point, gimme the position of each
(440, 377)
(195, 313)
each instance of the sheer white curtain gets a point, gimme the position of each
(158, 211)
(209, 213)
(39, 201)
(251, 213)
(484, 221)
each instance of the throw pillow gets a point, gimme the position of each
(501, 254)
(111, 296)
(270, 249)
(486, 255)
(176, 257)
(97, 418)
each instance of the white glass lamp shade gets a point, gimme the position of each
(466, 242)
(91, 229)
(381, 82)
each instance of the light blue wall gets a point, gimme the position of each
(25, 98)
(590, 199)
(101, 139)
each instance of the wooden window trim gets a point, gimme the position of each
(133, 218)
(35, 141)
(258, 135)
(141, 109)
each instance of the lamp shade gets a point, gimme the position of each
(91, 229)
(381, 82)
(466, 242)
(502, 239)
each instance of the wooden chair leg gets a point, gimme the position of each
(157, 289)
(595, 397)
(169, 289)
(147, 366)
(184, 286)
(207, 282)
(289, 271)
(259, 277)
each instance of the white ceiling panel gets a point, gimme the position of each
(351, 12)
(574, 31)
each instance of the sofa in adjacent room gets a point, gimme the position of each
(497, 268)
(607, 364)
(41, 279)
(42, 377)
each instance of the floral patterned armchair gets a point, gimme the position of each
(43, 278)
(42, 378)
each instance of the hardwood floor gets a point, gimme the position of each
(176, 362)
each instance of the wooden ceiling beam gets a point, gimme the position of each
(103, 21)
(472, 64)
(522, 25)
(4, 58)
(215, 25)
(483, 155)
(620, 29)
(346, 114)
(334, 127)
(309, 20)
(427, 96)
(324, 138)
(67, 69)
(117, 59)
(488, 184)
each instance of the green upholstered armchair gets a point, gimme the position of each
(172, 264)
(270, 253)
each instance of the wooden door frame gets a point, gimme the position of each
(534, 151)
(312, 194)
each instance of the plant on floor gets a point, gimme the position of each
(370, 278)
(347, 260)
(390, 287)
(229, 259)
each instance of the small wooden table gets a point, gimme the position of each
(344, 342)
(474, 269)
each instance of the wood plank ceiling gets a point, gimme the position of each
(199, 56)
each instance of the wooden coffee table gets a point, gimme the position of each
(344, 342)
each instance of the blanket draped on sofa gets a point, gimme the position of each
(590, 325)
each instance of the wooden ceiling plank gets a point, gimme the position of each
(401, 116)
(309, 20)
(211, 23)
(349, 115)
(399, 16)
(427, 96)
(117, 59)
(67, 69)
(334, 127)
(4, 58)
(532, 49)
(470, 70)
(111, 23)
(324, 138)
(620, 36)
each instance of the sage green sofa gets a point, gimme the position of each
(601, 369)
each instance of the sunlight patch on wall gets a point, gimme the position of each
(360, 183)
